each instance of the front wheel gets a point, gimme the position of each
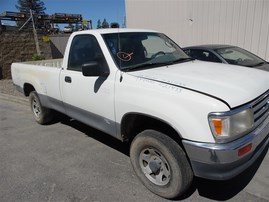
(161, 164)
(42, 114)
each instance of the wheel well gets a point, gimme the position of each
(133, 124)
(28, 88)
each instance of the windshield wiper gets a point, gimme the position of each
(256, 65)
(151, 65)
(144, 66)
(180, 60)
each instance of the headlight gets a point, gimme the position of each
(230, 125)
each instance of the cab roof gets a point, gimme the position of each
(112, 30)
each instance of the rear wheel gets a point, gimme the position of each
(42, 114)
(161, 164)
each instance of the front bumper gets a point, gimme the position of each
(220, 161)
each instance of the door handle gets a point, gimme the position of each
(68, 79)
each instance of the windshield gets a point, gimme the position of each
(239, 56)
(143, 50)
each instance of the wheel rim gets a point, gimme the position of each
(155, 166)
(36, 108)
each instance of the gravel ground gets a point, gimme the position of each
(8, 92)
(7, 87)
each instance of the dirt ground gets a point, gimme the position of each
(7, 87)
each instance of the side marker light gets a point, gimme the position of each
(244, 149)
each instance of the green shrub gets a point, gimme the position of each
(36, 57)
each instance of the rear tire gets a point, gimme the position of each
(160, 164)
(41, 114)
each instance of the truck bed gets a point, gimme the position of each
(48, 63)
(43, 75)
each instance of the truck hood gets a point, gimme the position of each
(233, 85)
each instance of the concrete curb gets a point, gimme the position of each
(12, 98)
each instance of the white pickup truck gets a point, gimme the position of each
(182, 117)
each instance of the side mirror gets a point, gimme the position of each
(93, 69)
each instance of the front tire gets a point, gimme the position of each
(41, 114)
(160, 164)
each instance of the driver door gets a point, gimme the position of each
(88, 99)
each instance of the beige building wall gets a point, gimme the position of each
(244, 23)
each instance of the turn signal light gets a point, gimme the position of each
(218, 126)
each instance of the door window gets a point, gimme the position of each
(84, 49)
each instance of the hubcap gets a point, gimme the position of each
(155, 166)
(36, 108)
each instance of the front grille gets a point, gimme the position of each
(261, 108)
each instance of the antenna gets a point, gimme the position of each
(119, 44)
